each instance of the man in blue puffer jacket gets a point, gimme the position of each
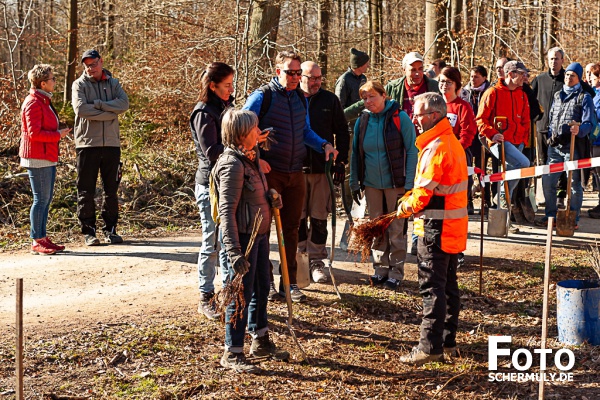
(283, 163)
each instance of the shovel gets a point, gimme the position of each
(284, 271)
(331, 253)
(565, 219)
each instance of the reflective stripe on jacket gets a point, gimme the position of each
(439, 196)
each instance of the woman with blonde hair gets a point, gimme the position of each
(39, 152)
(384, 158)
(243, 195)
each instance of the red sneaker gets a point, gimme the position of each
(50, 244)
(41, 248)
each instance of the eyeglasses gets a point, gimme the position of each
(313, 79)
(422, 115)
(445, 82)
(292, 72)
(53, 79)
(92, 65)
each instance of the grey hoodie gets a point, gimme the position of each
(97, 105)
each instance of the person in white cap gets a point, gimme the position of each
(404, 89)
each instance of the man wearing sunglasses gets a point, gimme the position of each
(285, 110)
(98, 99)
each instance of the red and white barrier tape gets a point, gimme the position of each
(537, 171)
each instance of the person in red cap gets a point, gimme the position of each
(98, 99)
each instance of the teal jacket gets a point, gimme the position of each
(377, 169)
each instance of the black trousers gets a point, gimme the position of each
(90, 161)
(441, 298)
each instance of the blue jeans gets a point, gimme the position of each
(207, 258)
(549, 182)
(42, 186)
(515, 159)
(256, 293)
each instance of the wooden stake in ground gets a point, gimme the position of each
(545, 304)
(19, 354)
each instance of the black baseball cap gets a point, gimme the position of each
(90, 54)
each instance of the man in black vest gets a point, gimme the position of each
(285, 111)
(328, 121)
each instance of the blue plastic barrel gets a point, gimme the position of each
(578, 311)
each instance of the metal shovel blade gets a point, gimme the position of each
(497, 222)
(565, 222)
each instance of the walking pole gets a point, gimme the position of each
(331, 254)
(19, 354)
(545, 301)
(284, 271)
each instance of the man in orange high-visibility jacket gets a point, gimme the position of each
(439, 204)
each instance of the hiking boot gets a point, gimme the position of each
(206, 306)
(417, 357)
(470, 208)
(317, 272)
(263, 347)
(461, 260)
(91, 240)
(413, 249)
(451, 352)
(392, 284)
(112, 238)
(594, 212)
(376, 280)
(273, 293)
(51, 245)
(516, 212)
(296, 294)
(238, 363)
(542, 222)
(528, 212)
(513, 229)
(40, 247)
(560, 203)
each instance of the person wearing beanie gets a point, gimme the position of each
(346, 89)
(346, 86)
(571, 103)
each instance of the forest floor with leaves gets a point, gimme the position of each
(120, 322)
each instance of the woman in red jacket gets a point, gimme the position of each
(461, 116)
(39, 152)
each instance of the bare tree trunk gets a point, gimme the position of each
(375, 36)
(264, 25)
(504, 50)
(455, 15)
(323, 34)
(540, 35)
(71, 50)
(434, 18)
(109, 42)
(553, 26)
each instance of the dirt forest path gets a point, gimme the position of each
(158, 276)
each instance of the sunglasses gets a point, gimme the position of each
(292, 72)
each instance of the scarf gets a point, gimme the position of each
(250, 154)
(47, 94)
(569, 90)
(480, 88)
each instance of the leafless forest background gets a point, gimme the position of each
(158, 50)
